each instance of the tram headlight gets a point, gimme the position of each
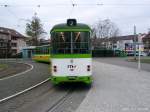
(88, 68)
(55, 68)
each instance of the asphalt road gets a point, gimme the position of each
(47, 98)
(12, 68)
(123, 62)
(16, 84)
(67, 98)
(44, 98)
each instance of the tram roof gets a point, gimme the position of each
(43, 46)
(65, 27)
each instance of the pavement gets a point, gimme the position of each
(123, 62)
(117, 89)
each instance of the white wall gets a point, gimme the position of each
(20, 44)
(121, 44)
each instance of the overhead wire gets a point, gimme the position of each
(72, 9)
(73, 5)
(77, 4)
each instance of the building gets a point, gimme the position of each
(146, 43)
(11, 42)
(125, 43)
(114, 42)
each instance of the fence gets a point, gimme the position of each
(108, 53)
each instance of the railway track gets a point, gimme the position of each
(70, 101)
(46, 98)
(60, 101)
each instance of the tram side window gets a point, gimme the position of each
(37, 51)
(42, 50)
(45, 50)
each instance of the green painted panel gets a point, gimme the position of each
(62, 30)
(78, 27)
(42, 55)
(71, 56)
(44, 61)
(59, 79)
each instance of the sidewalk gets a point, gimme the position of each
(117, 89)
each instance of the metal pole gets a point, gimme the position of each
(139, 60)
(71, 42)
(134, 42)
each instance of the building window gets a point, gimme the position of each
(1, 40)
(13, 38)
(14, 51)
(1, 44)
(14, 44)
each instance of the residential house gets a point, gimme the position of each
(146, 42)
(11, 42)
(119, 42)
(125, 43)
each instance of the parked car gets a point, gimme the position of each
(130, 53)
(148, 54)
(141, 54)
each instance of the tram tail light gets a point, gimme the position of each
(55, 68)
(88, 68)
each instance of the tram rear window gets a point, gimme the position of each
(70, 42)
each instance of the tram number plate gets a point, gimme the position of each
(71, 67)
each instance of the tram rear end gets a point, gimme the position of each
(71, 53)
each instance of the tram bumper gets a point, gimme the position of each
(60, 79)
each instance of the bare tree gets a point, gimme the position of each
(105, 29)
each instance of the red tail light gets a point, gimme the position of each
(55, 68)
(88, 68)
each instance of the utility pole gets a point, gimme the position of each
(134, 43)
(139, 58)
(140, 37)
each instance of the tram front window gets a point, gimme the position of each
(70, 42)
(80, 42)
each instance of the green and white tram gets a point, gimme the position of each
(71, 57)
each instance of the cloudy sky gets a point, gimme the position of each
(124, 13)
